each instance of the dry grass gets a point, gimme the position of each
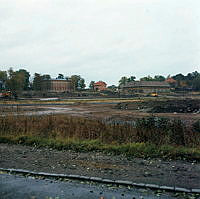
(152, 130)
(149, 137)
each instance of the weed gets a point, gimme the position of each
(151, 136)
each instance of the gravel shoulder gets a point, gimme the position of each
(155, 171)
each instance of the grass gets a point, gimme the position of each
(149, 137)
(142, 150)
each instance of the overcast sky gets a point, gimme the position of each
(100, 39)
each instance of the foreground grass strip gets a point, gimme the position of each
(142, 150)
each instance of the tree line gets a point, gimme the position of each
(190, 81)
(21, 80)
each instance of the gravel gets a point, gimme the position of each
(94, 164)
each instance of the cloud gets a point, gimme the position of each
(100, 39)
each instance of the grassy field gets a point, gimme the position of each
(148, 137)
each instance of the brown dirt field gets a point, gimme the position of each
(101, 111)
(108, 111)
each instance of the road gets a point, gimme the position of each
(20, 187)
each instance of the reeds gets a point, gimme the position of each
(153, 130)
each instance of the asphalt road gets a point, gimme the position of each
(20, 187)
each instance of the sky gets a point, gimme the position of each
(100, 39)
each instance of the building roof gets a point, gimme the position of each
(146, 84)
(99, 83)
(52, 79)
(170, 80)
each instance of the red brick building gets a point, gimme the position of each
(56, 85)
(170, 80)
(100, 86)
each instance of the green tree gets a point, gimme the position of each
(181, 80)
(37, 80)
(46, 77)
(148, 78)
(82, 83)
(60, 76)
(91, 85)
(112, 87)
(131, 79)
(16, 80)
(179, 77)
(26, 75)
(77, 82)
(123, 81)
(196, 83)
(74, 80)
(159, 78)
(3, 76)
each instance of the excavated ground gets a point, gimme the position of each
(156, 171)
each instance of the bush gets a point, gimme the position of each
(196, 126)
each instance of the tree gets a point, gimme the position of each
(196, 83)
(91, 85)
(82, 83)
(112, 87)
(75, 79)
(77, 82)
(179, 77)
(3, 76)
(148, 78)
(60, 76)
(26, 75)
(46, 77)
(159, 78)
(37, 82)
(123, 81)
(131, 79)
(16, 80)
(181, 80)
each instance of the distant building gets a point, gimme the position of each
(146, 87)
(100, 86)
(170, 80)
(56, 85)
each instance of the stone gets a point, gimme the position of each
(123, 182)
(152, 186)
(195, 190)
(182, 189)
(96, 179)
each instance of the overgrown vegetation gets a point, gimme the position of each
(148, 137)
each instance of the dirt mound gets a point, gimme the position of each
(178, 106)
(169, 106)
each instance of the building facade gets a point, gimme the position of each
(146, 87)
(56, 85)
(100, 86)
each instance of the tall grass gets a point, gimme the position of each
(153, 130)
